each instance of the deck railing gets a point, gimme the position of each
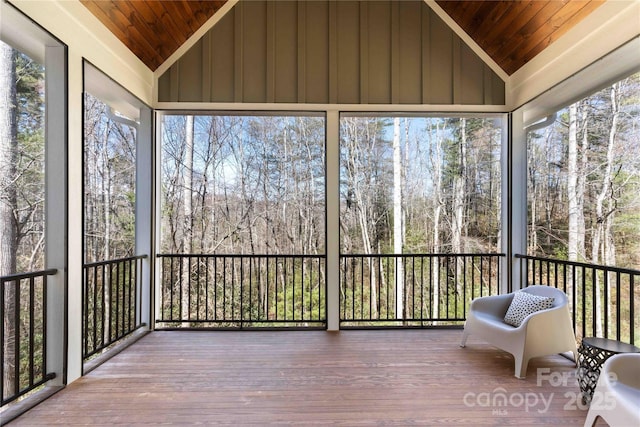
(434, 289)
(604, 301)
(23, 335)
(110, 302)
(241, 291)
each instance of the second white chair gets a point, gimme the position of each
(616, 398)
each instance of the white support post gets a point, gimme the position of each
(157, 213)
(56, 209)
(145, 213)
(514, 200)
(75, 255)
(333, 220)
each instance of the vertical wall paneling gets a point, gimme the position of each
(270, 36)
(410, 52)
(471, 71)
(457, 72)
(174, 79)
(164, 86)
(254, 51)
(333, 52)
(364, 53)
(487, 85)
(207, 52)
(348, 52)
(286, 51)
(302, 49)
(441, 63)
(328, 52)
(395, 52)
(426, 54)
(379, 65)
(238, 44)
(223, 61)
(497, 88)
(317, 58)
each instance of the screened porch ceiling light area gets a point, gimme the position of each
(111, 93)
(510, 32)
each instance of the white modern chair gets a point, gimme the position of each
(616, 398)
(542, 333)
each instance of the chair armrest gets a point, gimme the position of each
(496, 305)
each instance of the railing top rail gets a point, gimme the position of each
(113, 261)
(319, 256)
(580, 264)
(21, 276)
(423, 255)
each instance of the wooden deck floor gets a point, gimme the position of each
(392, 377)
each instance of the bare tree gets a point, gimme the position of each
(398, 238)
(602, 243)
(8, 202)
(187, 225)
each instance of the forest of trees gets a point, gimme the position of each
(22, 204)
(109, 183)
(584, 180)
(243, 184)
(255, 184)
(21, 162)
(420, 185)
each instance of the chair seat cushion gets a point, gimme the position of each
(523, 304)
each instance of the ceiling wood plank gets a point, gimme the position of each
(122, 29)
(151, 19)
(142, 31)
(493, 24)
(565, 18)
(528, 31)
(153, 29)
(513, 32)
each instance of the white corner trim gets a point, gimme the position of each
(605, 29)
(467, 39)
(200, 32)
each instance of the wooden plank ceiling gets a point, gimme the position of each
(153, 29)
(511, 32)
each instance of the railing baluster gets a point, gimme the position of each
(32, 291)
(28, 372)
(582, 282)
(632, 315)
(119, 280)
(16, 337)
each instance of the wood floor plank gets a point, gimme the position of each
(354, 378)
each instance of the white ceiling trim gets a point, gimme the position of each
(382, 108)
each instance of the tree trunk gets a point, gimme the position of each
(397, 218)
(459, 198)
(602, 234)
(8, 202)
(187, 223)
(436, 168)
(572, 180)
(105, 191)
